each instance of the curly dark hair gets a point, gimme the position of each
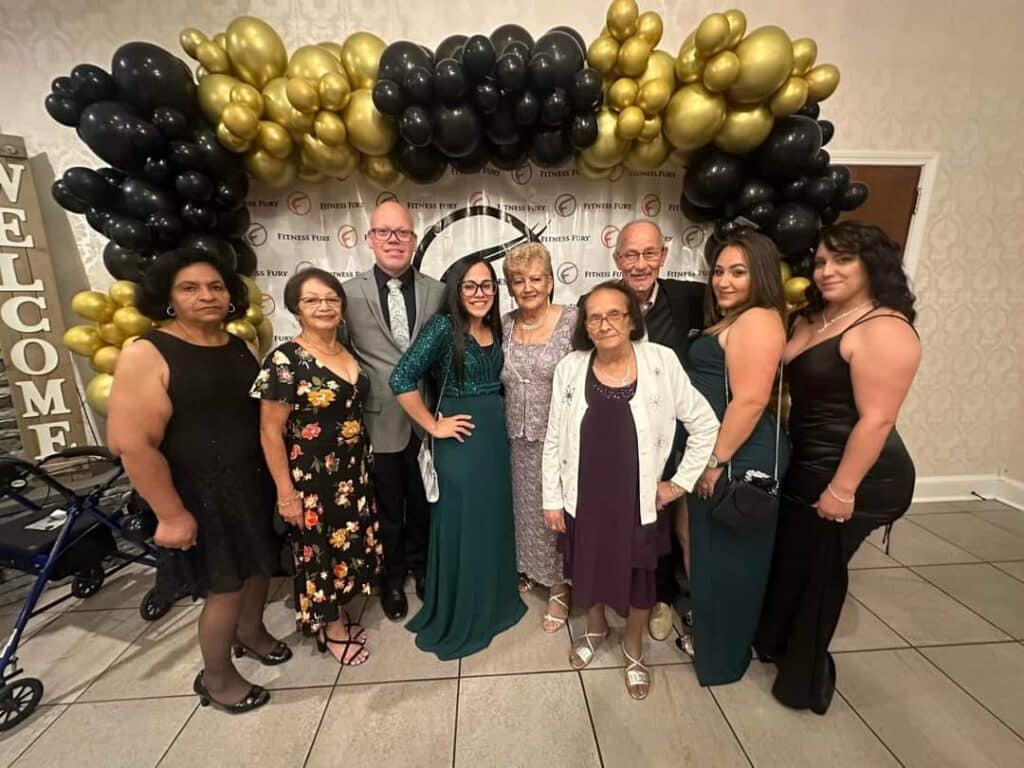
(293, 288)
(581, 340)
(454, 308)
(883, 261)
(153, 293)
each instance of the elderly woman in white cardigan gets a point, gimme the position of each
(614, 406)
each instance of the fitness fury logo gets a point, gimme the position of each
(567, 273)
(651, 205)
(565, 204)
(299, 203)
(385, 197)
(257, 234)
(693, 236)
(609, 235)
(523, 174)
(347, 236)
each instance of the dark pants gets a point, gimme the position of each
(403, 511)
(666, 584)
(805, 596)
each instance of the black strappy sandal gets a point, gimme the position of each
(256, 698)
(322, 641)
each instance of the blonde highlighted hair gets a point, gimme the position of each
(519, 259)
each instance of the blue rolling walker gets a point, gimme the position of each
(52, 530)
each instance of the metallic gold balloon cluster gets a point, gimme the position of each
(733, 87)
(310, 115)
(639, 81)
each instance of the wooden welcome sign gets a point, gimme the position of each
(41, 376)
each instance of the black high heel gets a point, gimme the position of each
(256, 698)
(279, 654)
(322, 641)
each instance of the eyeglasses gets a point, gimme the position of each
(312, 302)
(385, 233)
(594, 322)
(470, 288)
(651, 256)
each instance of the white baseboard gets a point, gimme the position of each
(966, 487)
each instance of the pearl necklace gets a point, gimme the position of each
(621, 381)
(826, 323)
(534, 326)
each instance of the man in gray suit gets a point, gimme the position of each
(387, 305)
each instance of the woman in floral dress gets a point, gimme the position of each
(313, 393)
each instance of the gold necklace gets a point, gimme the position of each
(826, 323)
(319, 349)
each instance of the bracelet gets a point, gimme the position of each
(837, 497)
(285, 502)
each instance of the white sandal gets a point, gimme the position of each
(584, 650)
(558, 621)
(637, 676)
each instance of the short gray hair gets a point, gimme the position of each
(634, 222)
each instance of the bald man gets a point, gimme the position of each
(672, 309)
(387, 305)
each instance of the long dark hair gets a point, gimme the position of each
(883, 260)
(764, 264)
(581, 340)
(460, 319)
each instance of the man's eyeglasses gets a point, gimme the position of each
(470, 288)
(594, 322)
(650, 255)
(312, 302)
(383, 234)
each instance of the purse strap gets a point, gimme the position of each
(778, 416)
(440, 394)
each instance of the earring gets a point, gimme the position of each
(170, 311)
(231, 309)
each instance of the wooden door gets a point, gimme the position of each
(892, 197)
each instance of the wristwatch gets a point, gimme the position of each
(713, 462)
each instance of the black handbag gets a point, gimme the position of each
(750, 506)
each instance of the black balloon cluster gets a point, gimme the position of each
(787, 187)
(170, 183)
(497, 99)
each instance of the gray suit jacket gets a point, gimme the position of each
(378, 352)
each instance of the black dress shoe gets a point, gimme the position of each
(421, 585)
(279, 654)
(256, 698)
(394, 603)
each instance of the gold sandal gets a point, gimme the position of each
(558, 621)
(638, 679)
(583, 651)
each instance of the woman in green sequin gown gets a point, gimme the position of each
(472, 585)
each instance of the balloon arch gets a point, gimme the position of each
(738, 109)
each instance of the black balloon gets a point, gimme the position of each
(230, 191)
(586, 90)
(508, 33)
(840, 175)
(97, 218)
(527, 109)
(63, 108)
(854, 196)
(424, 165)
(120, 263)
(474, 162)
(507, 157)
(796, 228)
(118, 136)
(400, 57)
(501, 127)
(166, 229)
(129, 233)
(217, 161)
(456, 129)
(173, 124)
(698, 214)
(158, 170)
(233, 223)
(820, 191)
(487, 96)
(795, 189)
(574, 35)
(90, 83)
(139, 198)
(828, 130)
(388, 98)
(186, 155)
(520, 49)
(193, 185)
(112, 175)
(550, 148)
(726, 228)
(198, 217)
(819, 163)
(762, 214)
(414, 126)
(478, 57)
(245, 257)
(583, 131)
(555, 109)
(829, 215)
(449, 82)
(147, 76)
(448, 47)
(811, 110)
(211, 247)
(566, 56)
(419, 86)
(542, 73)
(67, 199)
(753, 192)
(511, 73)
(90, 186)
(712, 178)
(789, 150)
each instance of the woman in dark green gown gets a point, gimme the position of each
(743, 344)
(472, 589)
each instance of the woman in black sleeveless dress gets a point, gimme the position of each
(182, 422)
(851, 359)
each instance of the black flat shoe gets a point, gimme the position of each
(822, 698)
(421, 585)
(255, 699)
(394, 603)
(279, 654)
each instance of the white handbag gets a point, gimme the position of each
(426, 455)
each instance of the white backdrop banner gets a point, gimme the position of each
(576, 218)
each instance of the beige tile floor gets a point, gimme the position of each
(929, 654)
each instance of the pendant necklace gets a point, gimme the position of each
(826, 323)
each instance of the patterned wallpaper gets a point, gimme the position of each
(942, 76)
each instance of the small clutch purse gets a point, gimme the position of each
(425, 457)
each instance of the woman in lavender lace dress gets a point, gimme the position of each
(536, 336)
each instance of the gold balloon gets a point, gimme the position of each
(133, 339)
(622, 18)
(712, 34)
(230, 141)
(272, 171)
(368, 130)
(785, 271)
(256, 51)
(221, 39)
(274, 139)
(215, 94)
(105, 358)
(737, 26)
(245, 94)
(190, 38)
(97, 392)
(647, 155)
(201, 73)
(689, 63)
(609, 149)
(265, 335)
(603, 54)
(254, 315)
(693, 116)
(240, 120)
(622, 93)
(360, 55)
(83, 340)
(213, 58)
(302, 95)
(313, 175)
(822, 82)
(652, 129)
(790, 97)
(744, 129)
(252, 290)
(793, 289)
(131, 322)
(334, 91)
(242, 329)
(311, 62)
(650, 27)
(381, 171)
(721, 71)
(805, 51)
(333, 48)
(123, 293)
(278, 108)
(111, 334)
(660, 66)
(587, 171)
(92, 305)
(633, 56)
(766, 60)
(679, 158)
(629, 123)
(653, 97)
(337, 160)
(329, 128)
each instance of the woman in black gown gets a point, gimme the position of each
(850, 361)
(182, 422)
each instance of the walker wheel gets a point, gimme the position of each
(88, 583)
(18, 700)
(151, 608)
